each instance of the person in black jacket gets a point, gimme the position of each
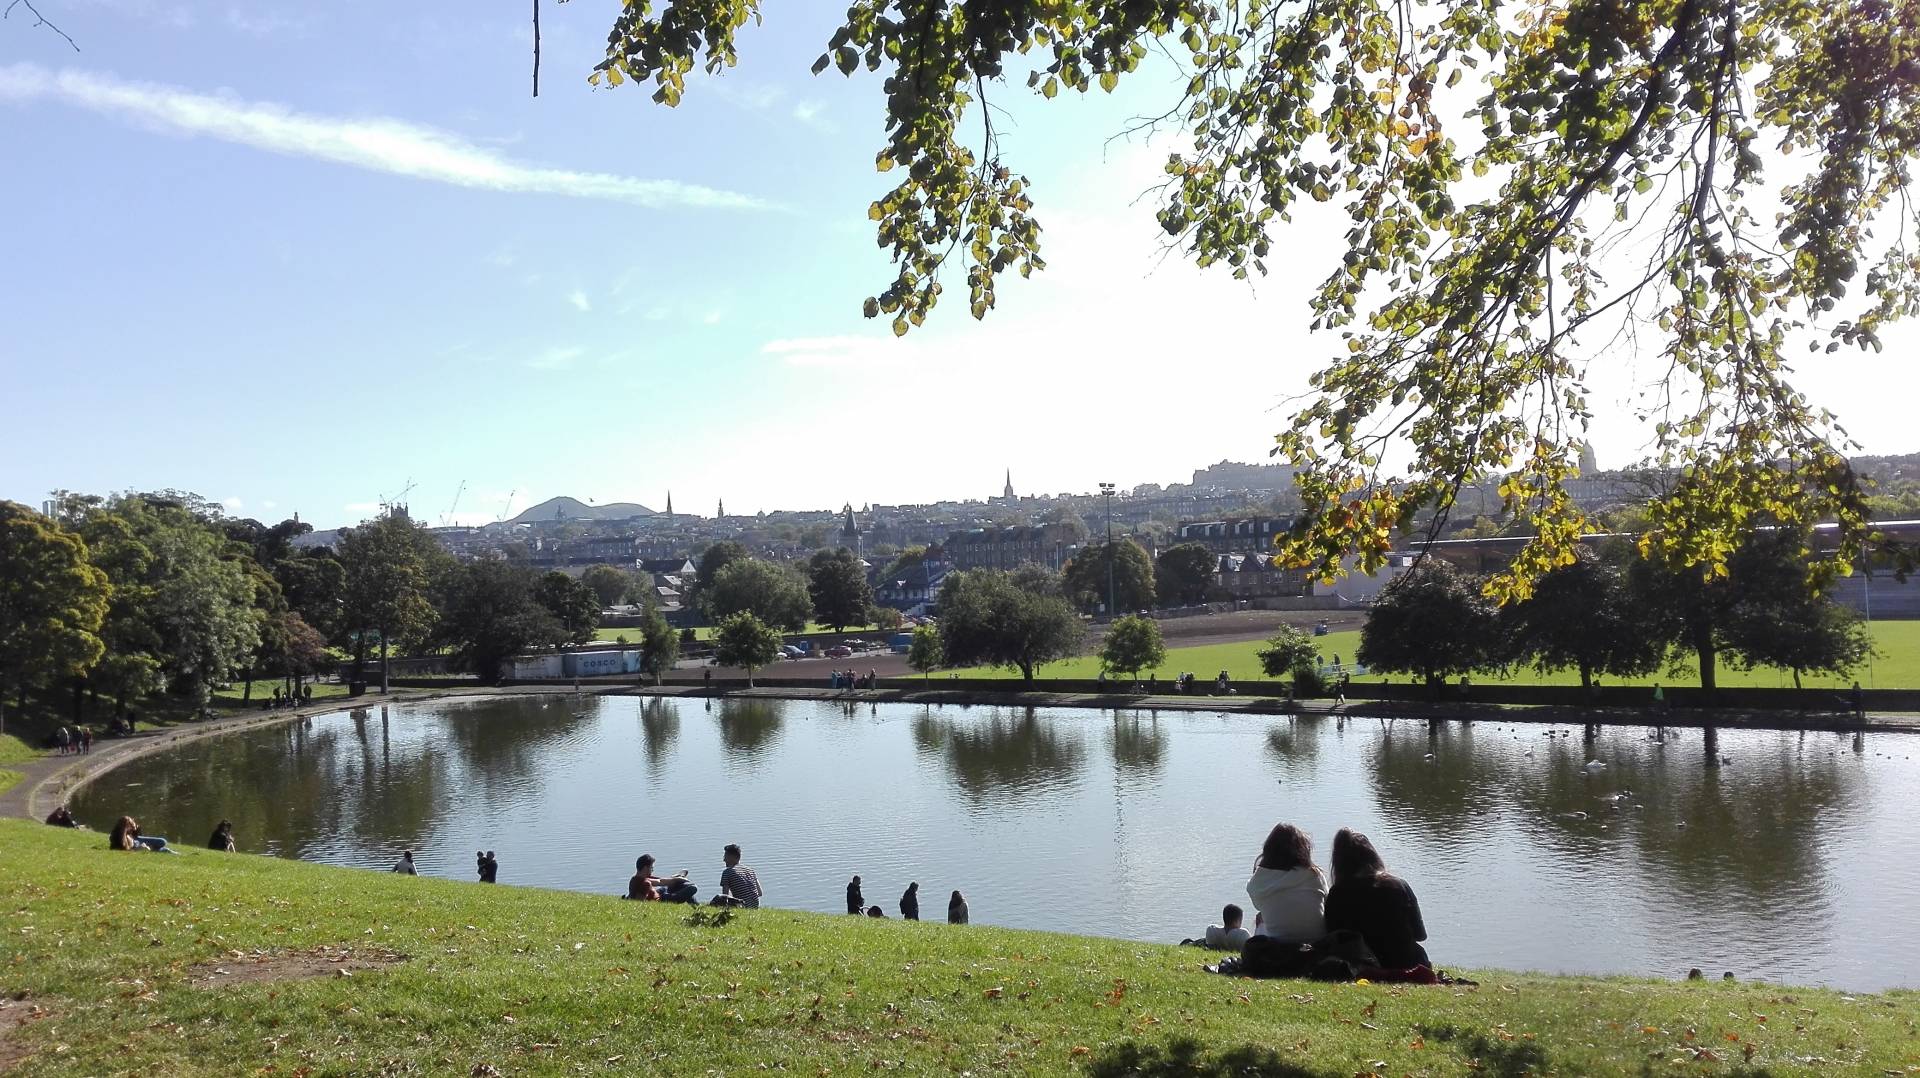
(856, 902)
(1367, 899)
(910, 902)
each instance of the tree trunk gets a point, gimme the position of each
(1706, 652)
(1026, 672)
(79, 699)
(383, 661)
(246, 685)
(749, 676)
(3, 708)
(1796, 677)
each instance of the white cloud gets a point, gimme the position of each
(712, 318)
(232, 504)
(579, 300)
(379, 144)
(811, 114)
(555, 359)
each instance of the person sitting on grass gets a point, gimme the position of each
(222, 838)
(956, 909)
(126, 836)
(646, 887)
(62, 817)
(1228, 935)
(1367, 899)
(875, 911)
(739, 885)
(1287, 888)
(404, 866)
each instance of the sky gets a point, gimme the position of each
(303, 257)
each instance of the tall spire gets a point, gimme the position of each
(1008, 492)
(669, 503)
(723, 509)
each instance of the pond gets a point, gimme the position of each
(1774, 855)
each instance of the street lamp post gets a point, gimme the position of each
(1106, 491)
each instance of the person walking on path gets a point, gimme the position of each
(910, 902)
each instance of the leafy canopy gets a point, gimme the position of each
(1723, 179)
(1132, 644)
(52, 602)
(988, 618)
(837, 586)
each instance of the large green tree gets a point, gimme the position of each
(1583, 616)
(923, 653)
(660, 645)
(743, 640)
(186, 609)
(712, 560)
(1184, 574)
(491, 612)
(389, 566)
(1086, 576)
(1730, 178)
(1289, 651)
(610, 585)
(773, 593)
(53, 601)
(1433, 622)
(987, 619)
(572, 605)
(837, 585)
(1132, 644)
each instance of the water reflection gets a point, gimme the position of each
(749, 726)
(1619, 852)
(999, 750)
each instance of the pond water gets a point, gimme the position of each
(1779, 856)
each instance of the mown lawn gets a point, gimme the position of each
(263, 690)
(1897, 666)
(106, 955)
(13, 751)
(705, 632)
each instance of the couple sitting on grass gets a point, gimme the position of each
(1367, 924)
(739, 885)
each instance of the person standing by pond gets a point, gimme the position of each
(737, 881)
(855, 900)
(910, 902)
(956, 909)
(1367, 899)
(1287, 888)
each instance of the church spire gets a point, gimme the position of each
(723, 509)
(669, 504)
(1008, 492)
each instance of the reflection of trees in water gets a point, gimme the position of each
(506, 739)
(1294, 744)
(1137, 743)
(660, 728)
(1003, 750)
(1758, 838)
(749, 726)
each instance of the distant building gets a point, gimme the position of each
(1258, 534)
(1009, 548)
(915, 588)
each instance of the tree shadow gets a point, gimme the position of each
(1504, 1059)
(1189, 1059)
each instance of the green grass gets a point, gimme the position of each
(263, 690)
(1897, 666)
(14, 751)
(504, 980)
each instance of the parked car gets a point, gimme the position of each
(839, 651)
(791, 652)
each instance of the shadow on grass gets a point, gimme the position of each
(1503, 1059)
(1189, 1059)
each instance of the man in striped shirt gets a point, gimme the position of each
(738, 881)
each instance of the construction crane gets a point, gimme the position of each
(446, 518)
(398, 501)
(508, 508)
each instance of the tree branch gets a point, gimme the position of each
(38, 20)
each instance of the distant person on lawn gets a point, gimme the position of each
(855, 900)
(1367, 899)
(222, 838)
(910, 902)
(1228, 935)
(737, 881)
(404, 866)
(957, 909)
(62, 817)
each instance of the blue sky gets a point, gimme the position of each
(293, 256)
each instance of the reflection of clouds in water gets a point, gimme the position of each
(999, 750)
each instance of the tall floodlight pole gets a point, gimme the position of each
(1106, 491)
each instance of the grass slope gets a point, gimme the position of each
(13, 751)
(504, 980)
(1897, 666)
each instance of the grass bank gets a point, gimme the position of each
(12, 751)
(1897, 666)
(136, 963)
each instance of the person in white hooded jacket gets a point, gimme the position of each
(1287, 888)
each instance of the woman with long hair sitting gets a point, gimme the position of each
(1287, 888)
(1368, 899)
